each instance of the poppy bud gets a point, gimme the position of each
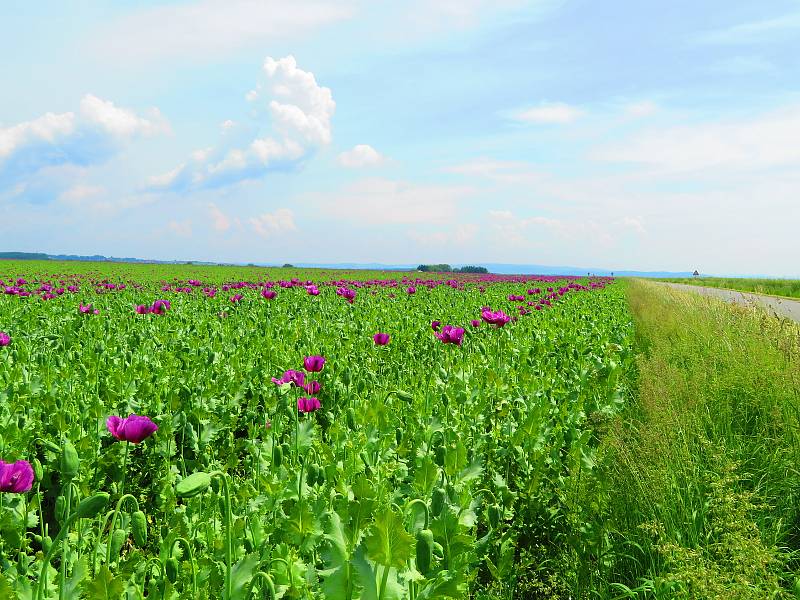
(424, 551)
(439, 455)
(47, 543)
(171, 567)
(70, 463)
(398, 436)
(92, 506)
(139, 528)
(38, 471)
(117, 540)
(494, 516)
(437, 502)
(277, 456)
(61, 509)
(193, 485)
(351, 418)
(311, 475)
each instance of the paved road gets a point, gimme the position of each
(781, 307)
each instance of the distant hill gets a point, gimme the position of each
(498, 268)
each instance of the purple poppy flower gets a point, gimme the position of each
(498, 318)
(133, 428)
(313, 364)
(142, 309)
(307, 405)
(475, 323)
(88, 310)
(435, 325)
(312, 387)
(411, 290)
(312, 290)
(17, 477)
(5, 339)
(451, 335)
(268, 294)
(160, 307)
(381, 339)
(291, 376)
(236, 298)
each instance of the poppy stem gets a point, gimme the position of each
(64, 548)
(124, 468)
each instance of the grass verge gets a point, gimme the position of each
(784, 288)
(705, 463)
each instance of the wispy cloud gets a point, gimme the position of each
(766, 140)
(269, 224)
(379, 201)
(501, 171)
(548, 113)
(754, 32)
(212, 28)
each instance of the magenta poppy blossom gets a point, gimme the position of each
(268, 294)
(498, 318)
(298, 378)
(87, 310)
(451, 335)
(312, 290)
(411, 290)
(142, 309)
(17, 477)
(381, 339)
(312, 387)
(160, 307)
(236, 298)
(133, 428)
(475, 323)
(435, 325)
(313, 364)
(307, 405)
(5, 339)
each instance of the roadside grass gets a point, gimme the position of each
(788, 288)
(705, 463)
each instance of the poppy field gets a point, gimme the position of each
(225, 432)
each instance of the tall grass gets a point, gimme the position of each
(774, 287)
(704, 467)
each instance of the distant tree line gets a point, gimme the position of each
(23, 256)
(445, 268)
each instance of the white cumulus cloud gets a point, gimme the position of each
(361, 155)
(89, 136)
(300, 111)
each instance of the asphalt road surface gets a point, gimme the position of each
(780, 307)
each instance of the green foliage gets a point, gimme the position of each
(503, 435)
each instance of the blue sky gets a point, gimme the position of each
(604, 134)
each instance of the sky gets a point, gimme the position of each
(617, 134)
